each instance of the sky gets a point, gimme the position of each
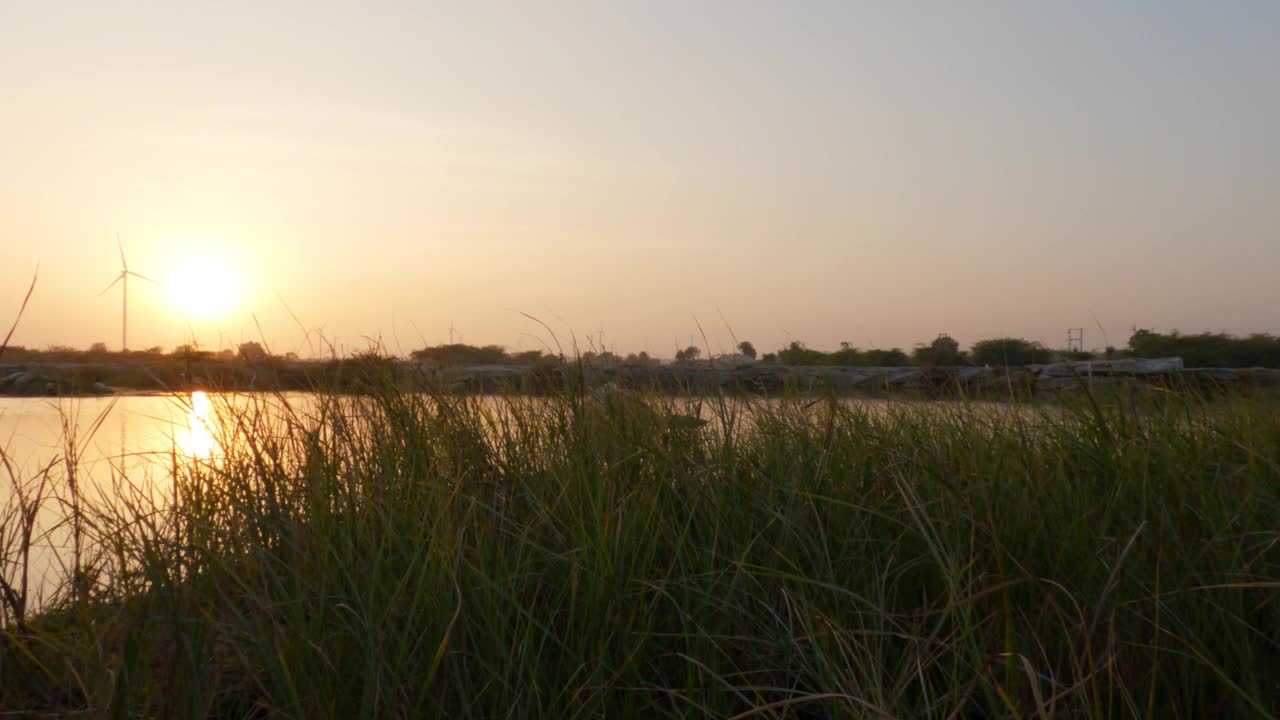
(651, 172)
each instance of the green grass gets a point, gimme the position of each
(400, 555)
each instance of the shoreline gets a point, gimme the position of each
(105, 379)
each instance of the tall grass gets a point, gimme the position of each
(409, 555)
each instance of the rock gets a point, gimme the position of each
(1259, 377)
(902, 377)
(1049, 384)
(1145, 366)
(973, 376)
(1126, 366)
(772, 379)
(1216, 375)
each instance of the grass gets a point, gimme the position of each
(408, 555)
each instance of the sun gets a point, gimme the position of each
(202, 289)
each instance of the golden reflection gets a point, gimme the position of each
(199, 442)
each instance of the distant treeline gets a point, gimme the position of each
(1197, 351)
(846, 356)
(250, 352)
(943, 351)
(1209, 349)
(458, 354)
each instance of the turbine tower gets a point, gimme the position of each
(123, 279)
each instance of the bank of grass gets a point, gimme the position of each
(402, 555)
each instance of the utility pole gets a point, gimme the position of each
(1075, 339)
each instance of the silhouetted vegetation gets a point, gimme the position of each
(458, 354)
(1008, 352)
(65, 370)
(944, 351)
(1209, 349)
(689, 354)
(642, 359)
(404, 555)
(746, 348)
(252, 352)
(796, 354)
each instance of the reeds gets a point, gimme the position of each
(417, 555)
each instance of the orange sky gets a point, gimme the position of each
(813, 171)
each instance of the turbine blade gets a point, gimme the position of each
(144, 277)
(113, 284)
(120, 244)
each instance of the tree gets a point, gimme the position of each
(604, 357)
(98, 348)
(641, 358)
(746, 348)
(943, 351)
(1008, 352)
(688, 354)
(252, 352)
(797, 354)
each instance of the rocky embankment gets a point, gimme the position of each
(52, 380)
(37, 381)
(771, 379)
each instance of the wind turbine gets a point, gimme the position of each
(123, 279)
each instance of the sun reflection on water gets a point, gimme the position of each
(199, 442)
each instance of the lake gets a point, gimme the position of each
(116, 446)
(128, 446)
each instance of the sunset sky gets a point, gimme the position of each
(875, 173)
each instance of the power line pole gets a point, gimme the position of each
(1075, 339)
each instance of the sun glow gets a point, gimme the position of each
(202, 289)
